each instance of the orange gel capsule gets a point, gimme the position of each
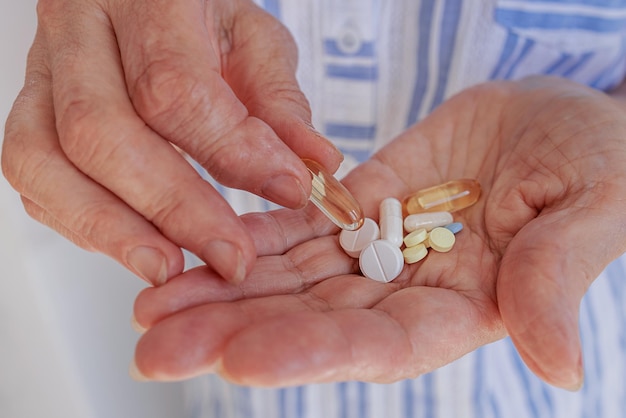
(333, 199)
(448, 197)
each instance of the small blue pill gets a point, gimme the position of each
(454, 227)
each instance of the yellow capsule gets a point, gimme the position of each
(333, 199)
(448, 197)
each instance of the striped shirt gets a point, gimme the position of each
(370, 69)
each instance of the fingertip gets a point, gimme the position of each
(567, 372)
(136, 325)
(227, 259)
(153, 265)
(285, 190)
(135, 373)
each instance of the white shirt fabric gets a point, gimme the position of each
(370, 69)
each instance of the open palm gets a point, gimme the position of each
(551, 158)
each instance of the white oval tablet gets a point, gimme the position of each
(353, 242)
(428, 221)
(381, 261)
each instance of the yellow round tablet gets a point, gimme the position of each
(414, 254)
(441, 239)
(416, 237)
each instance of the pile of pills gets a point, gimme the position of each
(379, 247)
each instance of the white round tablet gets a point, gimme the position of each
(381, 261)
(353, 242)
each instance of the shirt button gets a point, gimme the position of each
(349, 40)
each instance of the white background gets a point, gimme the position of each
(65, 334)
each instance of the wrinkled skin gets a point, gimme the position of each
(551, 158)
(112, 84)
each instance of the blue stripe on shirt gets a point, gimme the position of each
(609, 75)
(338, 130)
(524, 380)
(300, 402)
(566, 65)
(507, 51)
(429, 395)
(615, 4)
(556, 66)
(424, 27)
(451, 16)
(592, 396)
(478, 394)
(363, 400)
(616, 275)
(578, 64)
(272, 7)
(542, 20)
(353, 72)
(526, 48)
(342, 395)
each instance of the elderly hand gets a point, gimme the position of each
(112, 84)
(551, 158)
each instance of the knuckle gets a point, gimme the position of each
(80, 127)
(97, 224)
(50, 13)
(32, 210)
(46, 8)
(11, 153)
(230, 157)
(166, 96)
(166, 209)
(223, 158)
(19, 162)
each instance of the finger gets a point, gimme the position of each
(296, 271)
(173, 55)
(544, 274)
(278, 231)
(44, 217)
(279, 341)
(102, 136)
(55, 193)
(271, 92)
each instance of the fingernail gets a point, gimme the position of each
(226, 259)
(135, 374)
(576, 385)
(136, 326)
(578, 378)
(149, 263)
(571, 379)
(285, 190)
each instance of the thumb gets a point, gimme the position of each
(546, 270)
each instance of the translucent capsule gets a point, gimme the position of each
(449, 197)
(333, 199)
